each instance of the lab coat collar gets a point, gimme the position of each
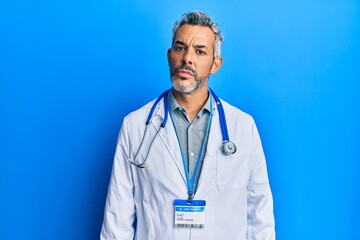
(168, 136)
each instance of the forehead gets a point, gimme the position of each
(195, 34)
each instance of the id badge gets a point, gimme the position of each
(189, 215)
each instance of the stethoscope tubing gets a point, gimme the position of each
(227, 148)
(222, 118)
(162, 96)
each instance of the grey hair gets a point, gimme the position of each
(198, 18)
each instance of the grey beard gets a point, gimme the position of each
(198, 82)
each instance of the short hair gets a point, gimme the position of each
(198, 18)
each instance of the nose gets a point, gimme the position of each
(188, 58)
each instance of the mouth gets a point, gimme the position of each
(182, 73)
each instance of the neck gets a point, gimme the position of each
(192, 102)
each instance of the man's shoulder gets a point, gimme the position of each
(141, 112)
(236, 112)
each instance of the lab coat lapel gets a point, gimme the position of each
(168, 136)
(212, 148)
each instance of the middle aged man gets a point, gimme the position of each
(185, 178)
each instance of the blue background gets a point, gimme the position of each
(71, 70)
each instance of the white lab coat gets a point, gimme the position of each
(140, 206)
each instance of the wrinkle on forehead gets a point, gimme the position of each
(195, 36)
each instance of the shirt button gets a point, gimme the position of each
(192, 154)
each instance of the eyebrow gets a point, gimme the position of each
(183, 44)
(200, 46)
(179, 42)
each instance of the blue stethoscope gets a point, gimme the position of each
(228, 147)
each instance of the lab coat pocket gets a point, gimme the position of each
(232, 171)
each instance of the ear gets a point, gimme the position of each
(216, 65)
(169, 56)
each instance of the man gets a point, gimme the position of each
(175, 179)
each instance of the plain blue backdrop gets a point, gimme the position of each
(71, 70)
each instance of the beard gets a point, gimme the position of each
(187, 88)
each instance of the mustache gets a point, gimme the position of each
(175, 70)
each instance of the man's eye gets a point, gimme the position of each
(179, 48)
(201, 52)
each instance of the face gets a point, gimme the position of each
(191, 58)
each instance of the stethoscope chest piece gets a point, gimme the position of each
(228, 148)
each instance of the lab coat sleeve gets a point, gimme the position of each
(261, 225)
(119, 215)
